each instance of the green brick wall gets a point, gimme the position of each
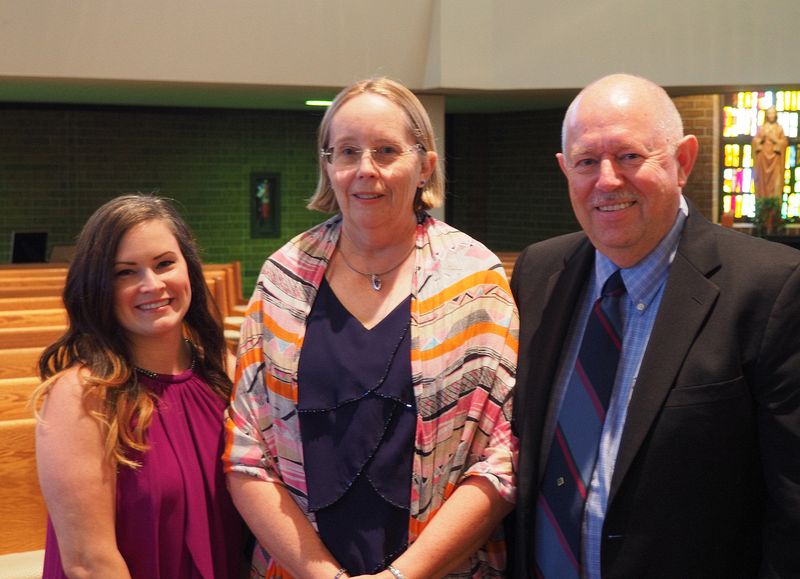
(57, 165)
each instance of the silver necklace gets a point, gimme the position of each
(375, 278)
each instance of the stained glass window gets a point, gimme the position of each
(743, 113)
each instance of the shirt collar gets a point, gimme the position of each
(643, 280)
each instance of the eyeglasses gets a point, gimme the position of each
(345, 157)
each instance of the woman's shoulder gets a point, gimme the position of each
(306, 249)
(65, 397)
(69, 381)
(451, 242)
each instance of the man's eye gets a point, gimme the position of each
(348, 151)
(585, 163)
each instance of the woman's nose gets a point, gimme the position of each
(151, 281)
(366, 164)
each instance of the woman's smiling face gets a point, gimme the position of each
(371, 195)
(152, 291)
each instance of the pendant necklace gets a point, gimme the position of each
(375, 278)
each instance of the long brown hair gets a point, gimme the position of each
(95, 341)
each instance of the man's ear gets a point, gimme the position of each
(562, 162)
(686, 155)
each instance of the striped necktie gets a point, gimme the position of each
(573, 452)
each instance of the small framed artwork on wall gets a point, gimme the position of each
(265, 205)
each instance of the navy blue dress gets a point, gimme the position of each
(357, 422)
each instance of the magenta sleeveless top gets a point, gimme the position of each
(174, 517)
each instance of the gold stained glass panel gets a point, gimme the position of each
(742, 114)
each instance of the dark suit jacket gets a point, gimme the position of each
(707, 480)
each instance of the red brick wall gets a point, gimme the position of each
(700, 118)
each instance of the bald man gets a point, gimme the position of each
(689, 465)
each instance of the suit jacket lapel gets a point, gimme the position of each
(689, 297)
(563, 288)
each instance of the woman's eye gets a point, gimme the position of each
(388, 150)
(166, 263)
(123, 272)
(348, 151)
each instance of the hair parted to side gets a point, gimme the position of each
(419, 124)
(94, 340)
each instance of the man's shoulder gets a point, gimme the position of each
(736, 263)
(540, 260)
(555, 249)
(738, 247)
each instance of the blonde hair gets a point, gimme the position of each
(419, 123)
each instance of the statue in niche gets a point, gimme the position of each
(769, 156)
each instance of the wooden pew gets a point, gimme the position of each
(233, 281)
(19, 362)
(18, 276)
(508, 259)
(217, 291)
(49, 290)
(27, 318)
(22, 509)
(30, 337)
(14, 269)
(14, 396)
(23, 281)
(28, 290)
(31, 303)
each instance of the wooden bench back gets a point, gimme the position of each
(32, 336)
(14, 269)
(28, 318)
(14, 396)
(32, 291)
(508, 259)
(25, 281)
(19, 362)
(31, 303)
(22, 508)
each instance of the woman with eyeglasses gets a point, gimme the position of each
(369, 432)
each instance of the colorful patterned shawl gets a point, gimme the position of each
(464, 331)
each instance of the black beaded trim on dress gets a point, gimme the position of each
(386, 424)
(154, 375)
(361, 470)
(372, 390)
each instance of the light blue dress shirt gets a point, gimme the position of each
(644, 283)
